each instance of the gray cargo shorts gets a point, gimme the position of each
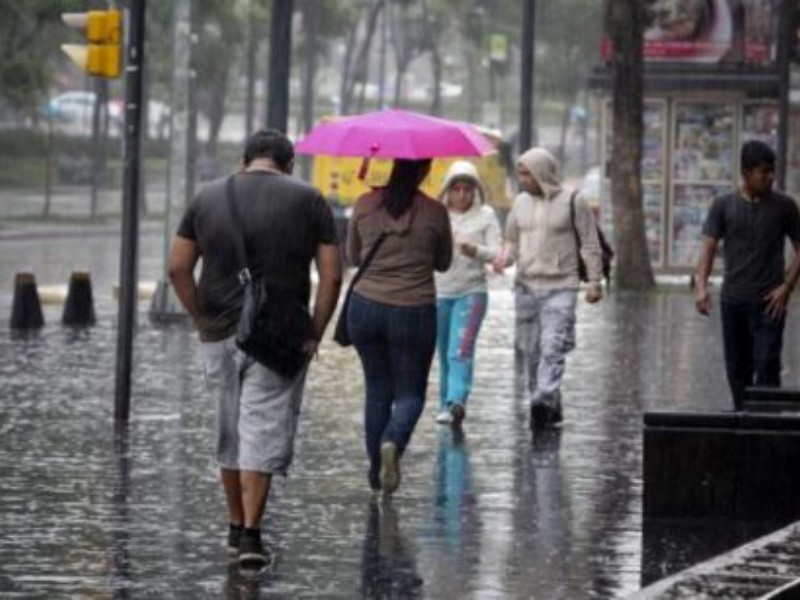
(256, 419)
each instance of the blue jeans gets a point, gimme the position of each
(458, 321)
(395, 345)
(753, 341)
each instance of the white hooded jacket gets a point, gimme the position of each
(539, 230)
(477, 226)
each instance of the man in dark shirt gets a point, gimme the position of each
(286, 225)
(754, 222)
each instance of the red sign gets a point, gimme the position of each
(708, 31)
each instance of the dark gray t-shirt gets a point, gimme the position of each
(284, 221)
(754, 234)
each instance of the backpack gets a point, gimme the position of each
(606, 251)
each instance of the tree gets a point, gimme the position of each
(356, 58)
(625, 24)
(30, 34)
(569, 37)
(323, 22)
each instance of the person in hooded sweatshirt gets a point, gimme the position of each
(540, 238)
(391, 316)
(461, 291)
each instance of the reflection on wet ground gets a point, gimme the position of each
(492, 512)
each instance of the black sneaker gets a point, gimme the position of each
(234, 537)
(458, 413)
(557, 417)
(252, 555)
(541, 415)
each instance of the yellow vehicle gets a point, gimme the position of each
(338, 177)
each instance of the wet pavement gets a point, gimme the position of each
(89, 512)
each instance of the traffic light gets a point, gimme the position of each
(103, 30)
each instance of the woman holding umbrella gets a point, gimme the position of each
(392, 310)
(462, 290)
(391, 315)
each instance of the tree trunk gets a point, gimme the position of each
(472, 88)
(347, 69)
(360, 69)
(562, 143)
(436, 66)
(436, 58)
(633, 269)
(398, 85)
(216, 111)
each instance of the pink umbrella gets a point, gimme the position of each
(394, 134)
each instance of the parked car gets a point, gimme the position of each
(77, 106)
(72, 112)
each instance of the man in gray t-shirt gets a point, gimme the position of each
(286, 225)
(754, 222)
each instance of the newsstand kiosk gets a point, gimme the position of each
(713, 80)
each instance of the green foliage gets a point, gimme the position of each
(30, 34)
(568, 33)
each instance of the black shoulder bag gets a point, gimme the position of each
(274, 325)
(341, 334)
(606, 251)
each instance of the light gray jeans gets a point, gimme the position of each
(257, 411)
(545, 333)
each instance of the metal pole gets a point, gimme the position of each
(95, 174)
(280, 45)
(130, 209)
(250, 62)
(527, 46)
(165, 305)
(382, 56)
(785, 40)
(48, 172)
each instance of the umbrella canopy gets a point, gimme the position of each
(394, 134)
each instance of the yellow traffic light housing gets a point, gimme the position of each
(103, 30)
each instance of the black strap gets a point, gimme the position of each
(238, 233)
(368, 259)
(572, 219)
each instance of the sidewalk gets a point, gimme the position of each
(496, 513)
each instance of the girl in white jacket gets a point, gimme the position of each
(462, 290)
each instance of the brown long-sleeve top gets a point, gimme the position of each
(419, 242)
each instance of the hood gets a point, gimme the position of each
(462, 169)
(544, 168)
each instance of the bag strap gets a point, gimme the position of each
(572, 220)
(238, 232)
(367, 259)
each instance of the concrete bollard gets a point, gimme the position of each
(79, 307)
(26, 312)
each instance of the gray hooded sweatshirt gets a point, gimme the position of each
(540, 232)
(477, 226)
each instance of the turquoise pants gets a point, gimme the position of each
(458, 321)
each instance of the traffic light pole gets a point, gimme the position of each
(134, 66)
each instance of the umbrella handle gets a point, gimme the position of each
(362, 171)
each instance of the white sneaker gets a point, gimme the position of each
(445, 417)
